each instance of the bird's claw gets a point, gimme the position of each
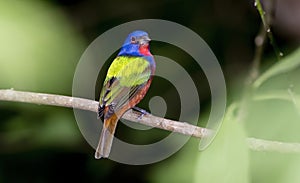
(141, 111)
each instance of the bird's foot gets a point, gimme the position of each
(141, 111)
(100, 111)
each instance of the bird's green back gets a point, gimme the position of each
(130, 71)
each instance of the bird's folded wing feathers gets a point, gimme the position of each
(125, 77)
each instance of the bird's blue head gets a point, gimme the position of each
(136, 44)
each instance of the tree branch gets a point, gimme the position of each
(272, 146)
(149, 120)
(91, 105)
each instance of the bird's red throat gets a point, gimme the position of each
(144, 50)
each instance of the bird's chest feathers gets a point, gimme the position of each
(144, 50)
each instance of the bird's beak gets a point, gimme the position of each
(147, 39)
(144, 40)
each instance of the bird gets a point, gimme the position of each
(127, 81)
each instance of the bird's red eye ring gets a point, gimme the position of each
(133, 40)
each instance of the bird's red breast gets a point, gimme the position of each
(144, 50)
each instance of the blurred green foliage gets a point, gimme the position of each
(272, 113)
(39, 49)
(225, 160)
(39, 52)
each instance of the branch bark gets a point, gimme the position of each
(149, 120)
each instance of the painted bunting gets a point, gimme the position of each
(127, 82)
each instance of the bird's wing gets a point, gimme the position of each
(125, 78)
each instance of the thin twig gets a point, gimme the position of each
(259, 41)
(253, 74)
(149, 120)
(266, 21)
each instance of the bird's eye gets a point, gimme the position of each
(133, 40)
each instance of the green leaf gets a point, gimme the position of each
(179, 167)
(291, 173)
(274, 167)
(227, 158)
(273, 114)
(285, 65)
(39, 48)
(288, 95)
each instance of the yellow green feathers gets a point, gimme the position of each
(125, 77)
(130, 71)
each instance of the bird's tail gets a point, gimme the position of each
(106, 137)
